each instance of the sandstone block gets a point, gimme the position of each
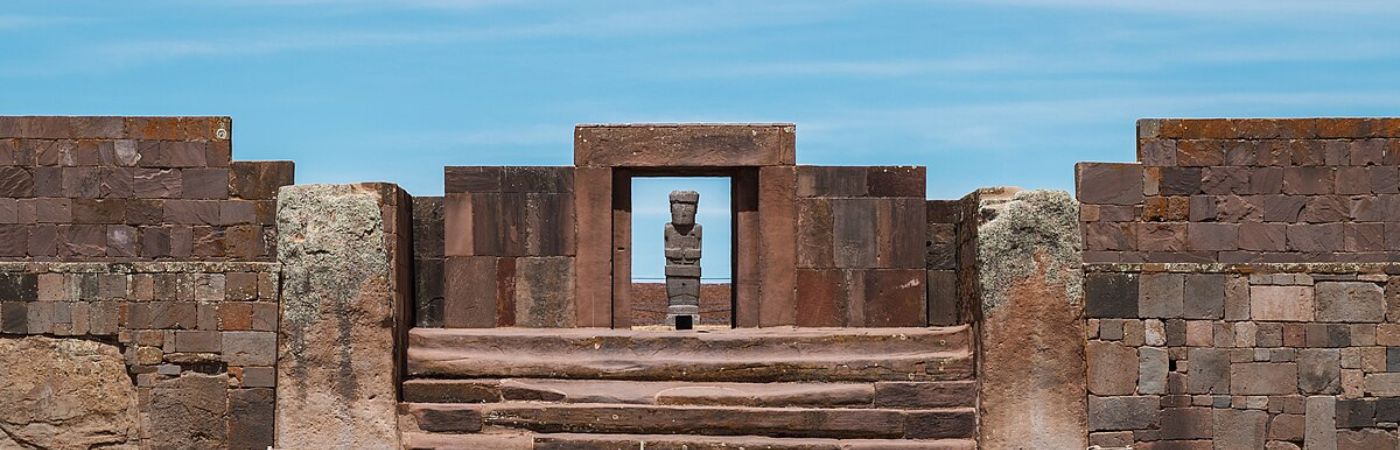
(1240, 429)
(1281, 303)
(189, 412)
(1111, 184)
(1111, 295)
(1123, 413)
(1263, 378)
(687, 145)
(65, 393)
(1111, 368)
(1319, 371)
(1349, 302)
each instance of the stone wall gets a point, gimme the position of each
(649, 303)
(944, 217)
(1287, 355)
(198, 340)
(509, 247)
(859, 260)
(1248, 190)
(131, 189)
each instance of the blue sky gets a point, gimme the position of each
(981, 92)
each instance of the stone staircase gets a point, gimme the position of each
(784, 388)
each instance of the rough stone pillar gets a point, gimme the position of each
(345, 290)
(1030, 295)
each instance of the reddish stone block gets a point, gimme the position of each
(192, 212)
(1177, 181)
(82, 182)
(821, 298)
(43, 240)
(1212, 236)
(1327, 237)
(593, 285)
(1325, 208)
(99, 211)
(476, 179)
(259, 180)
(1265, 180)
(1363, 237)
(1166, 209)
(537, 179)
(235, 212)
(16, 182)
(646, 145)
(116, 182)
(183, 154)
(1263, 236)
(1225, 180)
(895, 298)
(1192, 152)
(830, 181)
(814, 235)
(209, 184)
(122, 241)
(777, 198)
(244, 242)
(506, 301)
(208, 242)
(155, 242)
(899, 229)
(1113, 184)
(428, 227)
(1169, 236)
(897, 181)
(157, 183)
(855, 244)
(470, 296)
(84, 240)
(458, 220)
(1156, 152)
(14, 240)
(549, 224)
(1308, 180)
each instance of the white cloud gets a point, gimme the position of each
(19, 22)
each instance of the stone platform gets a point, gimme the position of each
(783, 388)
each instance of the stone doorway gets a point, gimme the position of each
(635, 303)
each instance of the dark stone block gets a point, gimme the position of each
(428, 226)
(1178, 181)
(1111, 295)
(259, 180)
(1109, 184)
(901, 181)
(525, 179)
(1392, 359)
(1356, 413)
(22, 287)
(1204, 296)
(205, 184)
(251, 418)
(475, 179)
(15, 317)
(823, 181)
(1388, 409)
(16, 182)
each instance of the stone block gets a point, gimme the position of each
(1319, 371)
(66, 393)
(1208, 371)
(249, 348)
(1032, 328)
(1123, 413)
(1349, 302)
(549, 224)
(1111, 295)
(1112, 368)
(897, 181)
(1240, 429)
(204, 184)
(251, 416)
(815, 242)
(1212, 236)
(259, 180)
(1162, 237)
(471, 292)
(1110, 184)
(1286, 427)
(1186, 423)
(189, 412)
(1281, 303)
(475, 179)
(1263, 378)
(684, 145)
(543, 292)
(1204, 296)
(1383, 384)
(337, 361)
(1153, 366)
(832, 181)
(1366, 439)
(1161, 295)
(894, 298)
(855, 242)
(1308, 180)
(1326, 237)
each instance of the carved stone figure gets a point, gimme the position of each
(683, 261)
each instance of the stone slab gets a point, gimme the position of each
(687, 145)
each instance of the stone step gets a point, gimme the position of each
(738, 355)
(883, 394)
(835, 423)
(572, 441)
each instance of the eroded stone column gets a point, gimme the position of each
(1030, 294)
(343, 292)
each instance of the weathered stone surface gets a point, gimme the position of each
(1240, 428)
(1321, 428)
(1032, 333)
(1123, 413)
(1367, 439)
(687, 145)
(1152, 370)
(1112, 368)
(1106, 183)
(65, 394)
(1161, 295)
(1349, 302)
(336, 366)
(1281, 303)
(1112, 295)
(1208, 371)
(1319, 371)
(1263, 378)
(748, 355)
(189, 412)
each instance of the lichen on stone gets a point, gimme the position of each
(1035, 225)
